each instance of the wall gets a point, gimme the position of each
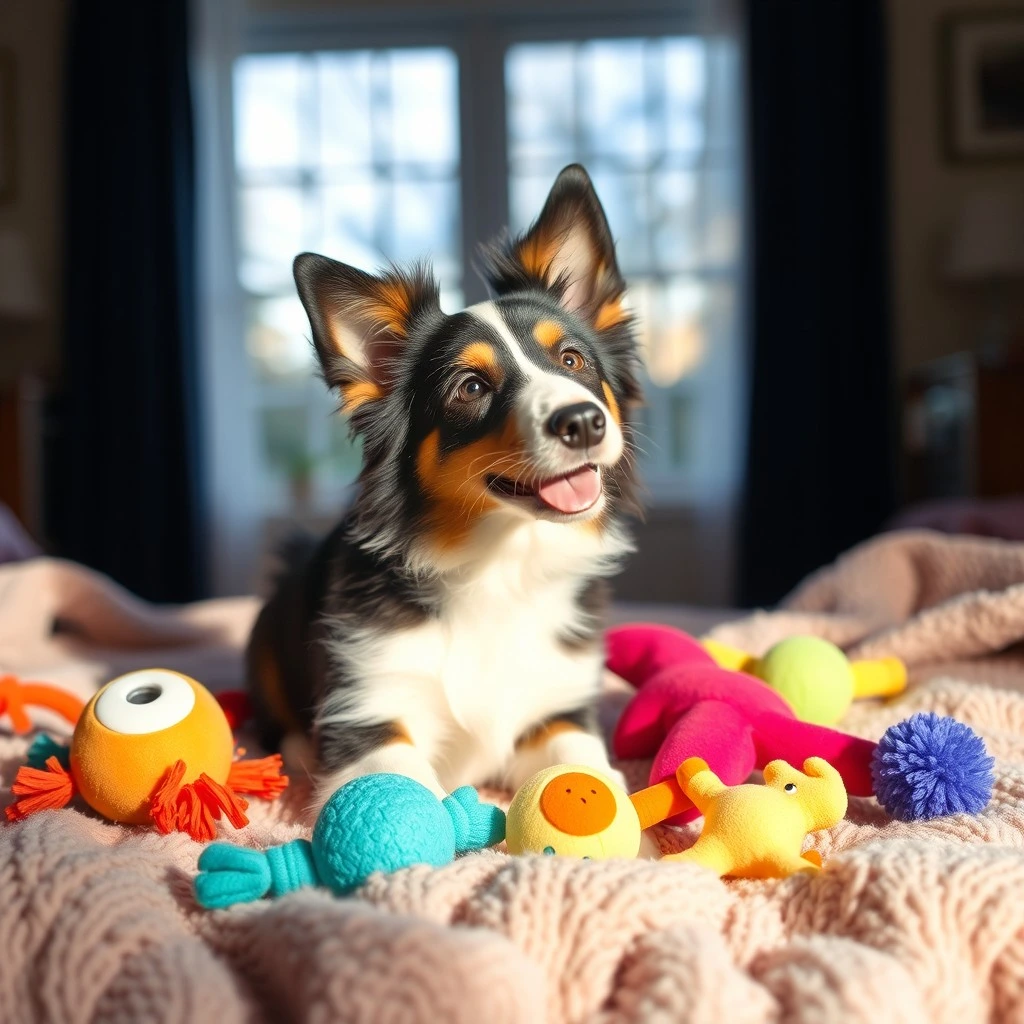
(932, 318)
(34, 31)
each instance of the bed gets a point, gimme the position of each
(920, 922)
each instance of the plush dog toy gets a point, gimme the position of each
(757, 831)
(151, 748)
(687, 706)
(374, 823)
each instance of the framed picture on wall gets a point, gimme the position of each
(982, 69)
(7, 161)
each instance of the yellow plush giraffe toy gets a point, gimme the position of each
(753, 831)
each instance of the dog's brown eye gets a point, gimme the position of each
(572, 360)
(472, 389)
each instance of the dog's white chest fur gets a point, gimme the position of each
(467, 684)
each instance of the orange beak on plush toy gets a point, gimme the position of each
(152, 747)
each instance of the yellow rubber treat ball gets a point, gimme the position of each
(572, 810)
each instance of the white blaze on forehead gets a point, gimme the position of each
(547, 391)
(488, 312)
(560, 389)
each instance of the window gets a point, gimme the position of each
(373, 143)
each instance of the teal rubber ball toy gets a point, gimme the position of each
(374, 823)
(379, 823)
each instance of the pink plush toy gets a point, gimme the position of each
(687, 706)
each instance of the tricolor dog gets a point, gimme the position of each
(450, 627)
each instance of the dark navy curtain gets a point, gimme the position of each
(820, 472)
(124, 493)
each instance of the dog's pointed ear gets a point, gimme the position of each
(360, 321)
(569, 250)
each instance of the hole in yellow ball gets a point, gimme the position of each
(144, 694)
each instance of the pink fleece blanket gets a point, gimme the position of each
(919, 922)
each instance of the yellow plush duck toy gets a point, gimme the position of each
(753, 831)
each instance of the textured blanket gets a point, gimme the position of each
(919, 922)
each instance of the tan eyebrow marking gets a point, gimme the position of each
(547, 333)
(480, 355)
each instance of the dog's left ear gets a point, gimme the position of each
(568, 250)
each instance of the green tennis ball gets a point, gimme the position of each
(812, 675)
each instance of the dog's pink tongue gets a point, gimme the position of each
(573, 493)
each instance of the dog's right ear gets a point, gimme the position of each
(360, 321)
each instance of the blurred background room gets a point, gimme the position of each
(819, 208)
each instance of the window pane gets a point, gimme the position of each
(267, 100)
(624, 197)
(539, 83)
(344, 100)
(684, 73)
(277, 337)
(425, 222)
(720, 231)
(424, 107)
(675, 218)
(684, 95)
(452, 299)
(526, 195)
(614, 117)
(271, 230)
(350, 222)
(677, 345)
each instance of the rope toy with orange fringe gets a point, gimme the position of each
(16, 697)
(153, 747)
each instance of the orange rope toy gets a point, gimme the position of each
(151, 748)
(16, 696)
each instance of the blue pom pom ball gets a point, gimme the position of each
(930, 765)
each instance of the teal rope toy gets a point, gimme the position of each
(376, 823)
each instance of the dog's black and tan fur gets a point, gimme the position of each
(449, 627)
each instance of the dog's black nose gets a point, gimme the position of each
(578, 426)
